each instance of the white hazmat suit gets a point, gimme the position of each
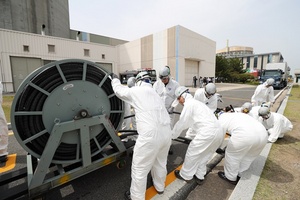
(277, 125)
(211, 103)
(3, 128)
(167, 94)
(263, 93)
(248, 138)
(154, 140)
(209, 136)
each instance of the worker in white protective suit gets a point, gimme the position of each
(165, 87)
(3, 131)
(275, 123)
(208, 96)
(263, 93)
(153, 126)
(129, 123)
(248, 138)
(209, 136)
(247, 108)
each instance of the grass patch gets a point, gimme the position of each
(279, 179)
(293, 106)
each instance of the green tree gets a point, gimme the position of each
(222, 70)
(230, 69)
(235, 65)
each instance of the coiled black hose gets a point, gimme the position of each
(32, 99)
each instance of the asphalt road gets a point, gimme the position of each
(109, 182)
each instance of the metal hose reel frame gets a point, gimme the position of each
(63, 91)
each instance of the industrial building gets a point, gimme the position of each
(251, 62)
(34, 33)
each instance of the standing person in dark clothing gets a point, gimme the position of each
(204, 81)
(195, 81)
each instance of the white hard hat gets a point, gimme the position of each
(246, 107)
(143, 76)
(210, 89)
(163, 72)
(180, 90)
(131, 82)
(264, 112)
(168, 69)
(270, 81)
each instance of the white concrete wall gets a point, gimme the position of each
(12, 45)
(193, 46)
(129, 56)
(160, 50)
(188, 45)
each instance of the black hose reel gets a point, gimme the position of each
(67, 110)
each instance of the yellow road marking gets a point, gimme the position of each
(151, 191)
(10, 163)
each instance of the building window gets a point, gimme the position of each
(248, 63)
(262, 63)
(86, 52)
(25, 48)
(281, 59)
(270, 58)
(51, 48)
(255, 62)
(103, 56)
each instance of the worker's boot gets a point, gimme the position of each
(177, 174)
(198, 180)
(222, 176)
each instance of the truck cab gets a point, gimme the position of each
(278, 71)
(277, 74)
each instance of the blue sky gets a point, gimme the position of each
(267, 26)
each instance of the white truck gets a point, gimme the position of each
(278, 71)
